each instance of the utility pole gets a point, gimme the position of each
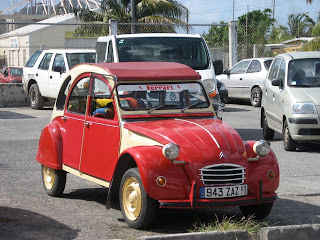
(133, 16)
(273, 7)
(233, 10)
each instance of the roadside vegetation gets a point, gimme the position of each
(249, 224)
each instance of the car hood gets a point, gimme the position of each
(202, 141)
(306, 94)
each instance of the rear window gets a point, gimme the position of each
(33, 58)
(267, 64)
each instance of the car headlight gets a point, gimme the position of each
(210, 87)
(223, 87)
(262, 148)
(171, 151)
(304, 108)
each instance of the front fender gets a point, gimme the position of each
(152, 164)
(50, 146)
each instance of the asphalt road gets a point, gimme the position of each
(27, 212)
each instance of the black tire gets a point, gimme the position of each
(256, 96)
(288, 143)
(54, 181)
(138, 209)
(35, 98)
(258, 211)
(268, 133)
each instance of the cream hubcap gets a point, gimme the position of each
(48, 177)
(131, 198)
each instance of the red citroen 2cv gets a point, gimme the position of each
(163, 147)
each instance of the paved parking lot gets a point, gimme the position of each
(27, 212)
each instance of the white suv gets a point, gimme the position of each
(291, 99)
(45, 70)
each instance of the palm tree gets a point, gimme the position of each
(300, 25)
(146, 11)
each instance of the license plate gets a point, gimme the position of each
(224, 192)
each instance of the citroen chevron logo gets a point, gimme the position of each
(221, 155)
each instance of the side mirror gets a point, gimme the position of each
(226, 72)
(277, 82)
(218, 66)
(57, 69)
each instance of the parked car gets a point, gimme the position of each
(188, 49)
(166, 155)
(245, 80)
(223, 91)
(291, 100)
(11, 75)
(45, 70)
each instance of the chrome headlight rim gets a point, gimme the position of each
(262, 148)
(302, 108)
(171, 151)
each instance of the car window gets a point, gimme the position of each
(16, 71)
(76, 58)
(32, 60)
(267, 64)
(274, 69)
(282, 72)
(186, 50)
(59, 62)
(240, 67)
(45, 62)
(101, 51)
(102, 104)
(304, 72)
(254, 66)
(62, 96)
(78, 97)
(110, 53)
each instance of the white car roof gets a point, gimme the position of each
(70, 50)
(101, 39)
(300, 55)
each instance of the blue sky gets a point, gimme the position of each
(208, 11)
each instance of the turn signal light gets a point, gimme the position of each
(271, 174)
(161, 181)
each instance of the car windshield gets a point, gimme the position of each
(188, 51)
(152, 96)
(304, 73)
(16, 71)
(76, 58)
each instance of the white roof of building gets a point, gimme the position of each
(36, 27)
(303, 39)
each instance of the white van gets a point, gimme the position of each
(188, 49)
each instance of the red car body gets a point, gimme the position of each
(102, 150)
(11, 75)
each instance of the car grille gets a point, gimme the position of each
(222, 174)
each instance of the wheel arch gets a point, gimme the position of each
(30, 82)
(256, 86)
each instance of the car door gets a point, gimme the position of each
(251, 78)
(74, 120)
(42, 74)
(234, 79)
(102, 133)
(55, 78)
(269, 93)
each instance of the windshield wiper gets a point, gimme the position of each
(192, 105)
(163, 106)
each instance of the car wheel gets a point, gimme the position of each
(258, 211)
(137, 208)
(256, 96)
(288, 142)
(54, 181)
(36, 100)
(268, 133)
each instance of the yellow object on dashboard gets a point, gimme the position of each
(102, 102)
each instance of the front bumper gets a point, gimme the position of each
(193, 202)
(304, 128)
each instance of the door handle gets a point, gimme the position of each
(64, 118)
(36, 74)
(50, 77)
(87, 124)
(240, 78)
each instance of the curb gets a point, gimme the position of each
(296, 232)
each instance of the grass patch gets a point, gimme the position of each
(230, 223)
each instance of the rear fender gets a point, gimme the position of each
(50, 146)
